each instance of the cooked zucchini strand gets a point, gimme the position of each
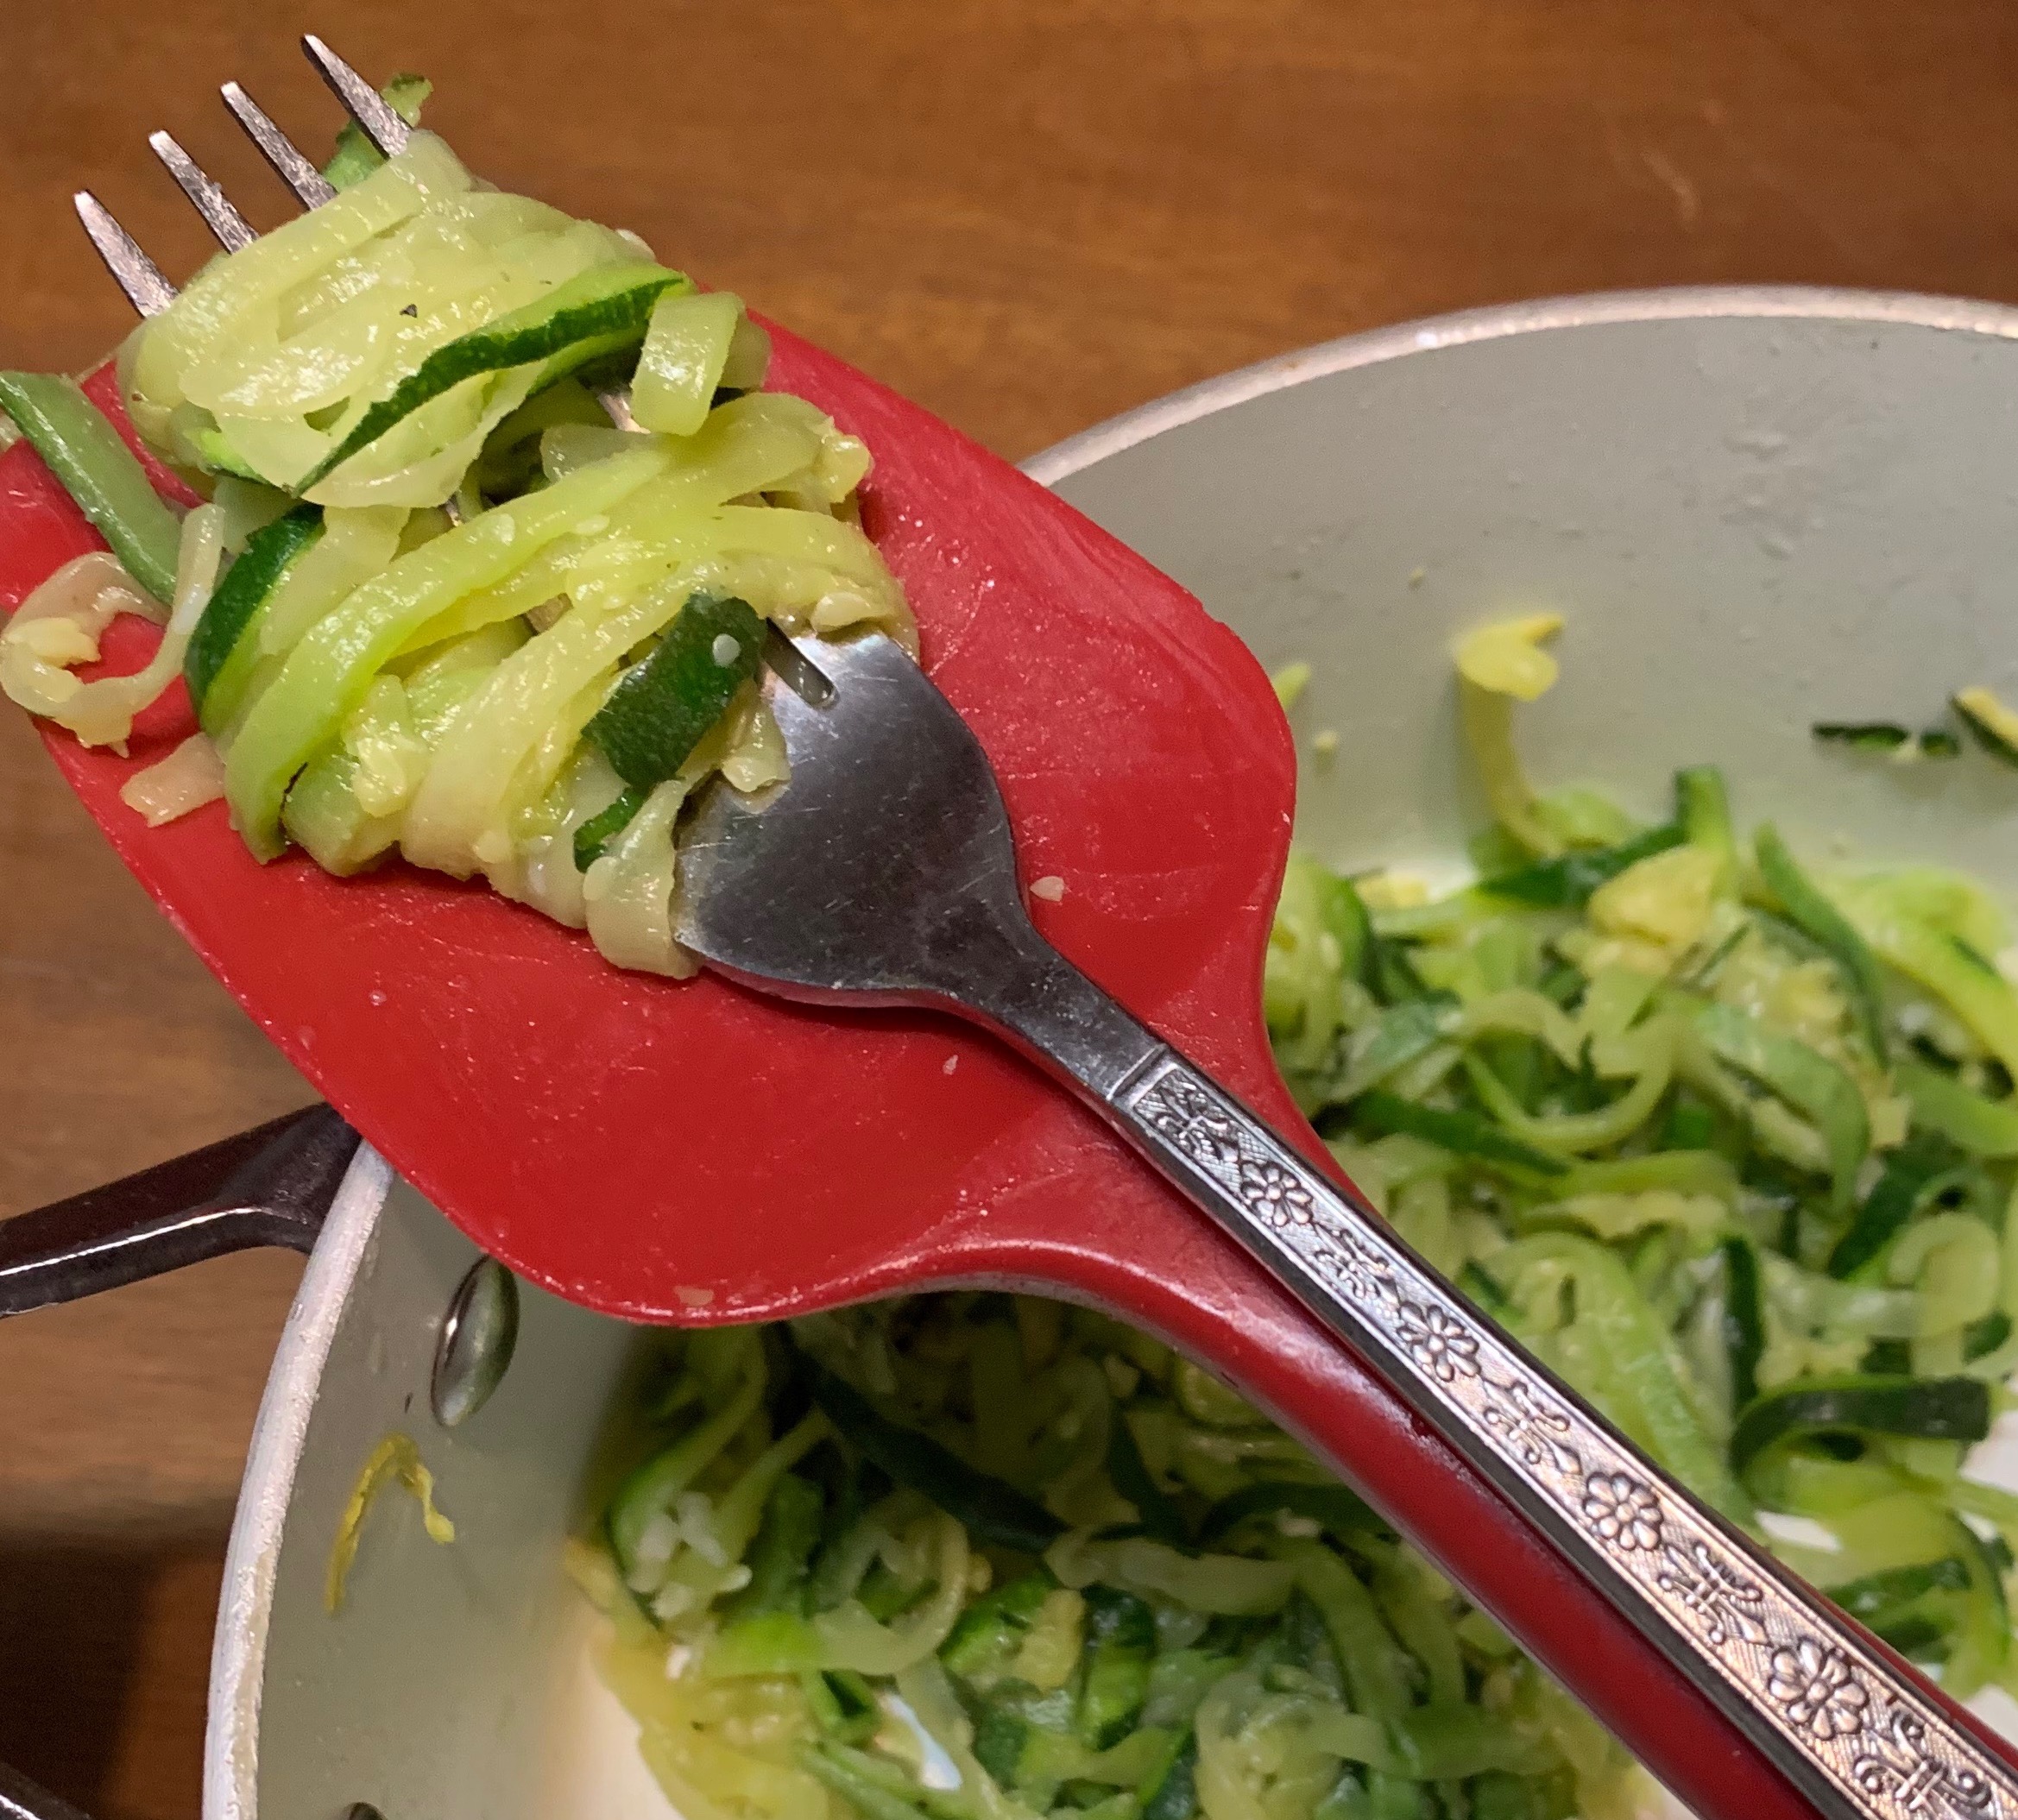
(224, 647)
(97, 470)
(590, 316)
(993, 1509)
(1817, 917)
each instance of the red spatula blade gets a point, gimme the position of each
(654, 1150)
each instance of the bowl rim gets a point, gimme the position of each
(1495, 322)
(337, 1265)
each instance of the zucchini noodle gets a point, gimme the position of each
(439, 607)
(896, 1562)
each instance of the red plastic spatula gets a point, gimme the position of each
(696, 1152)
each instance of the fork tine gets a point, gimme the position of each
(370, 109)
(132, 270)
(312, 189)
(231, 229)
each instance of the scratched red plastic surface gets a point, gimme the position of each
(697, 1152)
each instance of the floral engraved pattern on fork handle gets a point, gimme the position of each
(1829, 1711)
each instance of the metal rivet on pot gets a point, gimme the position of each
(361, 1810)
(478, 1335)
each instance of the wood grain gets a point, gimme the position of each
(1028, 214)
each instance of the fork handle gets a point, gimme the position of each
(1857, 1733)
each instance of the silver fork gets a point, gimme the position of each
(147, 289)
(885, 873)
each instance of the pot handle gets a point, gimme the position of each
(21, 1799)
(271, 1186)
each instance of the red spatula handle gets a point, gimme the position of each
(1857, 1730)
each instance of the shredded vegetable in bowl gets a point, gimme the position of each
(436, 602)
(982, 1558)
(1727, 1140)
(1729, 1143)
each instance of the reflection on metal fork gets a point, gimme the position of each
(232, 229)
(370, 109)
(137, 275)
(312, 189)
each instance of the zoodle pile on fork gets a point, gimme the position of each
(435, 601)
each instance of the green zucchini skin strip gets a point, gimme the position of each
(596, 313)
(1945, 965)
(99, 472)
(1342, 914)
(1464, 1134)
(843, 1703)
(1120, 1638)
(844, 1770)
(1864, 735)
(1391, 976)
(1908, 1171)
(600, 829)
(1887, 736)
(1338, 1507)
(1807, 1079)
(779, 1557)
(1986, 1128)
(1985, 1336)
(234, 611)
(1568, 882)
(1175, 1794)
(990, 1631)
(327, 672)
(1869, 1596)
(1154, 1506)
(1925, 1408)
(1986, 733)
(1744, 1321)
(661, 708)
(990, 1508)
(1821, 922)
(1702, 810)
(1911, 1608)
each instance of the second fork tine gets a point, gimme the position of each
(231, 229)
(312, 189)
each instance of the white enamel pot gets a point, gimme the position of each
(1755, 509)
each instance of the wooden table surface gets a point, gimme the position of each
(1027, 214)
